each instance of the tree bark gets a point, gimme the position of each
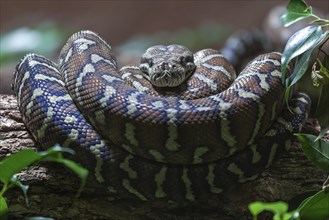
(53, 187)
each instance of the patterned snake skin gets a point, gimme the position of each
(171, 141)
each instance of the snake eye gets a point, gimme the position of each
(150, 62)
(147, 61)
(190, 59)
(186, 60)
(183, 61)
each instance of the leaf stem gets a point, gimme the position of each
(318, 19)
(326, 184)
(4, 189)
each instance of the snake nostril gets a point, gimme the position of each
(164, 66)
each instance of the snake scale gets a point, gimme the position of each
(180, 127)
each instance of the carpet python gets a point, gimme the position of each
(179, 127)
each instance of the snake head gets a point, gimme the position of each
(167, 66)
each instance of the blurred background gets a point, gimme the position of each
(129, 26)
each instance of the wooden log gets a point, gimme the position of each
(53, 187)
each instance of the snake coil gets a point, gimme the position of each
(193, 133)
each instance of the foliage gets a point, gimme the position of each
(13, 164)
(296, 10)
(315, 150)
(280, 209)
(300, 47)
(313, 208)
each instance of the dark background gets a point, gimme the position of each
(118, 21)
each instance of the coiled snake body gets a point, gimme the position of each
(193, 133)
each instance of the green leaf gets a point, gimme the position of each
(320, 76)
(325, 186)
(18, 161)
(301, 41)
(3, 208)
(315, 151)
(315, 207)
(23, 187)
(80, 171)
(56, 151)
(256, 208)
(322, 110)
(296, 10)
(283, 216)
(15, 163)
(324, 67)
(278, 208)
(54, 155)
(293, 215)
(287, 96)
(300, 68)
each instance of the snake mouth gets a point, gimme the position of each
(168, 78)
